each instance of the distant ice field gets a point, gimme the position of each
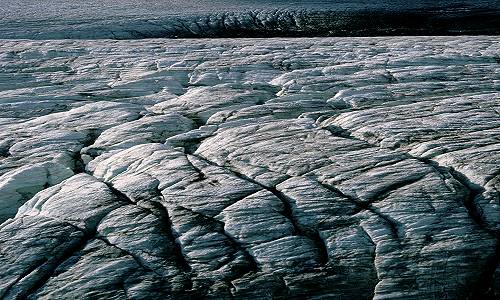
(128, 19)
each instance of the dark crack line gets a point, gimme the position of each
(243, 196)
(484, 287)
(312, 235)
(10, 290)
(172, 235)
(492, 176)
(384, 193)
(287, 213)
(251, 266)
(361, 170)
(79, 164)
(51, 268)
(201, 175)
(473, 190)
(395, 227)
(43, 271)
(119, 195)
(136, 258)
(163, 215)
(237, 246)
(443, 172)
(374, 257)
(48, 267)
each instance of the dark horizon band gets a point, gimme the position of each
(268, 23)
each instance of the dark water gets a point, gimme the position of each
(130, 19)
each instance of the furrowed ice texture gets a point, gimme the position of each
(350, 168)
(134, 19)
